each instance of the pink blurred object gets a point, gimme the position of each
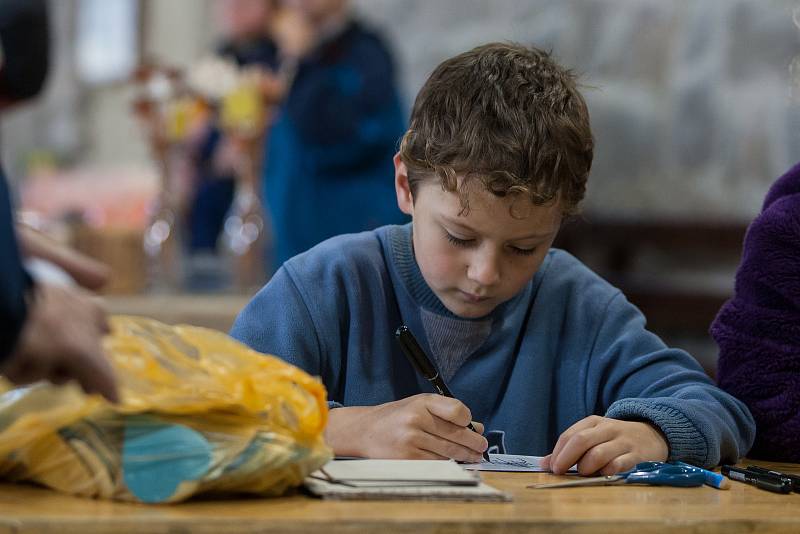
(113, 197)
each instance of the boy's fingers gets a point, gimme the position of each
(450, 420)
(448, 449)
(460, 435)
(577, 445)
(619, 464)
(478, 427)
(565, 436)
(600, 456)
(449, 409)
(544, 463)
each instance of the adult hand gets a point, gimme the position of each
(62, 340)
(604, 445)
(424, 426)
(86, 271)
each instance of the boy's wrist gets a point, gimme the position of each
(684, 440)
(343, 430)
(658, 435)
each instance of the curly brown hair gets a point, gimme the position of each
(508, 115)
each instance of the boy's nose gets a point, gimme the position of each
(484, 269)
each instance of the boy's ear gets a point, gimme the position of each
(405, 200)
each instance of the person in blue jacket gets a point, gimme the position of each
(328, 152)
(47, 332)
(549, 357)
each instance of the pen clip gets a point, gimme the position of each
(434, 380)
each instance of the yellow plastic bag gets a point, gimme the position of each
(200, 413)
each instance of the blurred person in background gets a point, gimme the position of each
(243, 26)
(758, 330)
(47, 331)
(335, 120)
(328, 157)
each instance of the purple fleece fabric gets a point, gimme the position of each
(758, 330)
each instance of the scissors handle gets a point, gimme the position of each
(666, 475)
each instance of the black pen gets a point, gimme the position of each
(759, 480)
(793, 479)
(425, 367)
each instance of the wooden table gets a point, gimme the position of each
(610, 509)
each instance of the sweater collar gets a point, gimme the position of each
(402, 252)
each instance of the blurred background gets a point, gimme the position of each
(694, 109)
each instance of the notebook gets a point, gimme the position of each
(400, 479)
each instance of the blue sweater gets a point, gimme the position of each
(569, 345)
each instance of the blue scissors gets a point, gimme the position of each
(653, 473)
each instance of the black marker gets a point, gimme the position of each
(793, 479)
(424, 366)
(759, 480)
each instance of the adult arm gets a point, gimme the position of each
(87, 272)
(48, 332)
(14, 282)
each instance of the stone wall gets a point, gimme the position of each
(690, 100)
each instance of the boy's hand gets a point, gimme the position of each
(424, 426)
(608, 446)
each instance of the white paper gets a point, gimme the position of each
(510, 462)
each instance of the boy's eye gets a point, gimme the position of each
(523, 251)
(458, 241)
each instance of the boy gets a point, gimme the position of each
(533, 344)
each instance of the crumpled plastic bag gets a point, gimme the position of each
(200, 413)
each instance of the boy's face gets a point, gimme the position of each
(476, 260)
